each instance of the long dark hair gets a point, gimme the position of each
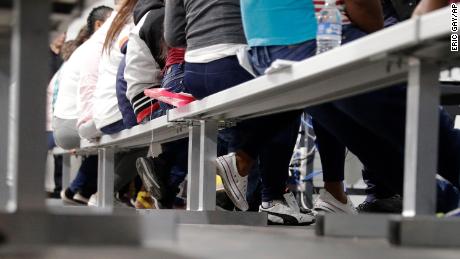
(121, 19)
(70, 46)
(100, 13)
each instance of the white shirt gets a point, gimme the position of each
(106, 109)
(90, 71)
(212, 53)
(66, 103)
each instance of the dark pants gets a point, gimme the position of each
(114, 127)
(374, 129)
(86, 180)
(173, 81)
(175, 154)
(262, 138)
(125, 167)
(57, 163)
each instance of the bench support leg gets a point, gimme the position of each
(422, 120)
(208, 152)
(420, 227)
(193, 177)
(66, 166)
(105, 178)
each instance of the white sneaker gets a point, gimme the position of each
(93, 200)
(326, 202)
(80, 198)
(287, 212)
(234, 184)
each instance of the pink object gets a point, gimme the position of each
(174, 99)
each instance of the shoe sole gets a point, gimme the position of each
(229, 185)
(288, 220)
(290, 224)
(70, 201)
(83, 202)
(331, 208)
(151, 182)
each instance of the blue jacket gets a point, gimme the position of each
(129, 118)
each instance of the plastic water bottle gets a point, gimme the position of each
(329, 34)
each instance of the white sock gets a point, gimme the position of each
(267, 204)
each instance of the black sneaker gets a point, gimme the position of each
(154, 174)
(387, 205)
(223, 202)
(54, 195)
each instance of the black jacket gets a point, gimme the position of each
(152, 30)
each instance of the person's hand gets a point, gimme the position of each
(426, 6)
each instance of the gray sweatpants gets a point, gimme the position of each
(65, 133)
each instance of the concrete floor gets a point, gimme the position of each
(205, 241)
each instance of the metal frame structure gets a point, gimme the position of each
(29, 221)
(409, 51)
(413, 51)
(201, 189)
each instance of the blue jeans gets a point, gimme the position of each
(204, 79)
(372, 126)
(114, 127)
(448, 196)
(86, 180)
(265, 138)
(278, 149)
(173, 81)
(174, 153)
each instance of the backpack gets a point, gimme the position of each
(404, 8)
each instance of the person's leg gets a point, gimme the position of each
(384, 161)
(202, 80)
(173, 81)
(90, 176)
(57, 173)
(89, 131)
(332, 154)
(383, 113)
(113, 128)
(274, 160)
(125, 167)
(86, 180)
(449, 149)
(66, 134)
(57, 164)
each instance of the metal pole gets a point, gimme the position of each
(4, 187)
(208, 153)
(193, 177)
(66, 168)
(421, 148)
(27, 139)
(106, 176)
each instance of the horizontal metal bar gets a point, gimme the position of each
(361, 225)
(362, 52)
(212, 217)
(434, 25)
(158, 130)
(24, 228)
(425, 231)
(216, 217)
(352, 81)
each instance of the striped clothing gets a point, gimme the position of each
(319, 4)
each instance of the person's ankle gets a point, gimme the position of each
(336, 189)
(267, 204)
(244, 163)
